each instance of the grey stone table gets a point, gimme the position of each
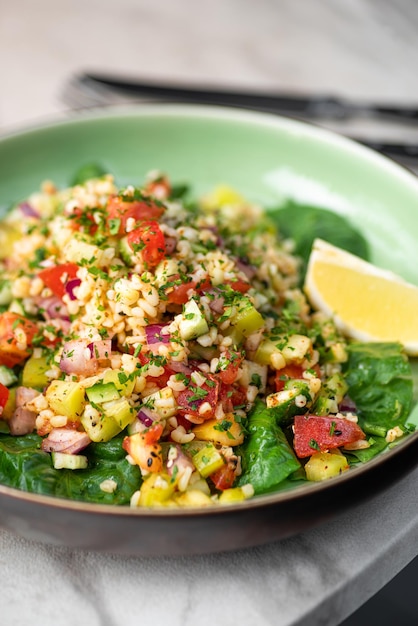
(318, 577)
(362, 49)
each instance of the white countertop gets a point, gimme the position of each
(360, 49)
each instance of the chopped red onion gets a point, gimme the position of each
(216, 301)
(347, 405)
(22, 421)
(28, 210)
(154, 334)
(178, 459)
(146, 416)
(25, 395)
(253, 341)
(100, 349)
(246, 269)
(76, 358)
(70, 285)
(65, 440)
(53, 308)
(180, 367)
(170, 245)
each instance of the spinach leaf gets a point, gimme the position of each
(25, 466)
(377, 445)
(380, 383)
(304, 223)
(86, 172)
(267, 457)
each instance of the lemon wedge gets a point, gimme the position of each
(367, 303)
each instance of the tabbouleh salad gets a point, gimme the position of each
(158, 351)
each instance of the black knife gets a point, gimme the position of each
(310, 106)
(98, 87)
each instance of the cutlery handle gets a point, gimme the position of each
(312, 106)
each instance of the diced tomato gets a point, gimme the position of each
(159, 188)
(224, 477)
(291, 371)
(4, 396)
(149, 240)
(203, 285)
(81, 220)
(232, 396)
(11, 353)
(239, 285)
(179, 294)
(229, 362)
(141, 211)
(317, 434)
(57, 276)
(153, 434)
(161, 381)
(191, 399)
(183, 421)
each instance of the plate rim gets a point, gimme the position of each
(215, 113)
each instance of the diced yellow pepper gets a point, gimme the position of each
(66, 398)
(236, 494)
(226, 432)
(156, 490)
(10, 405)
(34, 372)
(193, 497)
(324, 465)
(208, 460)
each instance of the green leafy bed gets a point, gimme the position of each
(380, 383)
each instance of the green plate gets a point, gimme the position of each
(270, 160)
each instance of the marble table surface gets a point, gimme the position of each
(362, 49)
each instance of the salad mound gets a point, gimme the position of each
(160, 352)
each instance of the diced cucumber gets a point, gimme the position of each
(265, 351)
(331, 394)
(126, 252)
(202, 353)
(324, 405)
(208, 460)
(247, 320)
(60, 460)
(294, 399)
(16, 306)
(102, 392)
(66, 398)
(253, 374)
(99, 427)
(120, 411)
(5, 292)
(7, 376)
(79, 251)
(34, 372)
(124, 384)
(193, 322)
